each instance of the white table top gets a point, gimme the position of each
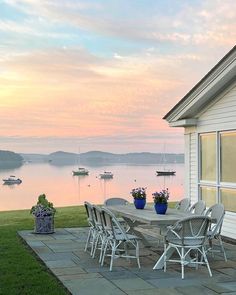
(148, 214)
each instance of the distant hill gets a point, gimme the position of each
(104, 158)
(132, 158)
(100, 158)
(10, 159)
(34, 157)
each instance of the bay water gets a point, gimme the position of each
(64, 189)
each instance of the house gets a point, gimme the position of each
(208, 114)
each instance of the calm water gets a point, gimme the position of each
(63, 189)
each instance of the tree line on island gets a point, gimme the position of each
(10, 160)
(91, 158)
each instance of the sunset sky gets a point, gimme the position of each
(100, 75)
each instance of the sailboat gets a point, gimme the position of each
(80, 170)
(165, 172)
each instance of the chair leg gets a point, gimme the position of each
(222, 248)
(104, 253)
(88, 239)
(166, 248)
(93, 242)
(137, 254)
(95, 245)
(211, 247)
(102, 248)
(182, 263)
(113, 252)
(206, 261)
(126, 251)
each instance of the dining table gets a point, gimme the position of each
(146, 221)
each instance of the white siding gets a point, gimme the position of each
(191, 174)
(221, 115)
(186, 165)
(228, 228)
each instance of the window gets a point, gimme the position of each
(208, 156)
(208, 194)
(228, 199)
(217, 168)
(227, 157)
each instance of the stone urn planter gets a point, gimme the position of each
(43, 213)
(44, 224)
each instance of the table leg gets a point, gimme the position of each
(132, 224)
(160, 262)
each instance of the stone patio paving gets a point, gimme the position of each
(63, 253)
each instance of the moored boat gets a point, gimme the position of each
(81, 171)
(106, 175)
(165, 172)
(12, 180)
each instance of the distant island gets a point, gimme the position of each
(94, 158)
(10, 160)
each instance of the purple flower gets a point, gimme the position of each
(161, 197)
(139, 193)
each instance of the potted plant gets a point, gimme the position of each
(161, 201)
(139, 195)
(43, 212)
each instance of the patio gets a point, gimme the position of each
(63, 253)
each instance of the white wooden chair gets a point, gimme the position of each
(117, 240)
(184, 236)
(100, 234)
(115, 201)
(183, 205)
(92, 228)
(198, 208)
(216, 212)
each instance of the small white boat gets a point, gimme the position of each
(81, 171)
(106, 175)
(12, 180)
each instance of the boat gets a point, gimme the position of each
(165, 172)
(12, 180)
(81, 171)
(106, 175)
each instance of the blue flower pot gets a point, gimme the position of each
(161, 208)
(139, 203)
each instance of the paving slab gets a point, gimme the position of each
(132, 284)
(68, 271)
(63, 253)
(193, 290)
(92, 287)
(166, 291)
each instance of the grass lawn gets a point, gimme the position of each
(21, 272)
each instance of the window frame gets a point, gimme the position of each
(217, 184)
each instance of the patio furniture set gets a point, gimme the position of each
(117, 228)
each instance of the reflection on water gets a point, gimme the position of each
(64, 189)
(9, 165)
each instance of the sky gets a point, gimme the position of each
(100, 75)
